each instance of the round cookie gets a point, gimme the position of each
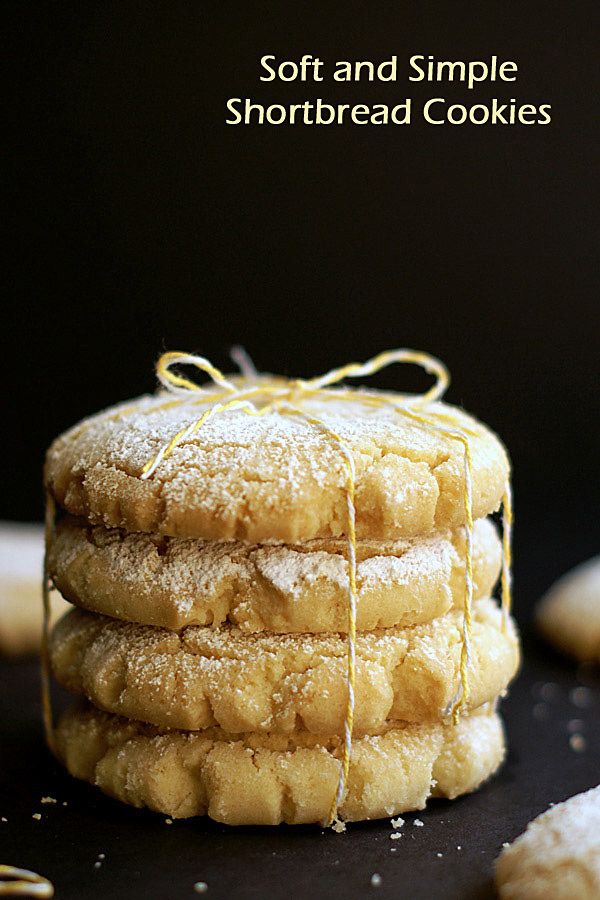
(274, 477)
(569, 615)
(174, 582)
(265, 779)
(558, 857)
(201, 677)
(21, 562)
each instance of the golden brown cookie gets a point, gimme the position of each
(174, 582)
(264, 779)
(558, 857)
(201, 677)
(274, 477)
(569, 615)
(21, 560)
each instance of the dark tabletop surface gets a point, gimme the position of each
(147, 858)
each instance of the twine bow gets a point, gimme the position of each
(256, 395)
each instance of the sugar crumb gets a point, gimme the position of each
(418, 823)
(48, 800)
(505, 844)
(168, 821)
(397, 823)
(201, 887)
(439, 855)
(97, 864)
(376, 879)
(395, 836)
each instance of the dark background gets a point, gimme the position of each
(138, 221)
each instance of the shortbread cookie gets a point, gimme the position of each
(264, 779)
(274, 477)
(569, 614)
(201, 677)
(558, 857)
(174, 582)
(21, 560)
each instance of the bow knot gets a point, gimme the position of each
(249, 386)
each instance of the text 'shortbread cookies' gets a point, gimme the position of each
(201, 677)
(569, 615)
(174, 582)
(274, 477)
(558, 857)
(265, 779)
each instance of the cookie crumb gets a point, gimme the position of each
(97, 864)
(581, 697)
(168, 821)
(418, 823)
(201, 887)
(48, 800)
(439, 855)
(338, 826)
(375, 879)
(577, 743)
(65, 803)
(505, 844)
(393, 849)
(397, 823)
(4, 819)
(37, 816)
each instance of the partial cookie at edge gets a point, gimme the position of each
(558, 856)
(21, 610)
(569, 615)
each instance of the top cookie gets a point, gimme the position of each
(276, 477)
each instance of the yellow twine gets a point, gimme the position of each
(506, 579)
(282, 396)
(23, 883)
(50, 520)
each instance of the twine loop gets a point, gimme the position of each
(16, 882)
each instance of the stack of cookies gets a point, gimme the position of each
(208, 638)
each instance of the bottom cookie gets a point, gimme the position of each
(265, 779)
